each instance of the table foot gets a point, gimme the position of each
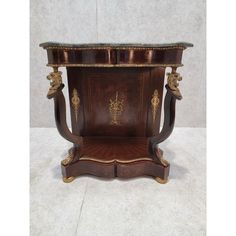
(161, 181)
(68, 180)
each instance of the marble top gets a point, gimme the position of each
(111, 45)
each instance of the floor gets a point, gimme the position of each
(91, 206)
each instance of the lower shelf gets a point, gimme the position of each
(115, 157)
(111, 149)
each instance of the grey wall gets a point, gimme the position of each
(120, 21)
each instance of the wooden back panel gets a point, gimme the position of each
(116, 101)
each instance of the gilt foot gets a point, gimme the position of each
(68, 180)
(161, 181)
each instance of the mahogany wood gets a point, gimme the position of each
(115, 94)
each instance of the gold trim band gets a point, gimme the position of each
(115, 160)
(110, 48)
(115, 65)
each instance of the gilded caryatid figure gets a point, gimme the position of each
(56, 81)
(172, 81)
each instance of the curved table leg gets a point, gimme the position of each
(55, 92)
(172, 94)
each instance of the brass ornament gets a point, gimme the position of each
(172, 81)
(116, 108)
(159, 155)
(114, 65)
(87, 158)
(155, 103)
(163, 161)
(68, 180)
(161, 181)
(112, 47)
(75, 100)
(69, 158)
(56, 81)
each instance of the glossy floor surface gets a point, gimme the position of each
(91, 206)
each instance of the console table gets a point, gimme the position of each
(116, 96)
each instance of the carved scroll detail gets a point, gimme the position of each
(56, 81)
(116, 108)
(155, 103)
(75, 103)
(173, 84)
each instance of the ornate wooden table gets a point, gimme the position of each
(115, 94)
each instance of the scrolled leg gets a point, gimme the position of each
(172, 94)
(55, 92)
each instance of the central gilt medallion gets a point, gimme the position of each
(116, 107)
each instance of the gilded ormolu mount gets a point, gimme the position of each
(155, 103)
(75, 100)
(173, 84)
(56, 81)
(69, 158)
(116, 108)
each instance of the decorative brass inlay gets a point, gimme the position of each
(56, 80)
(69, 158)
(75, 102)
(155, 102)
(118, 47)
(116, 107)
(114, 65)
(173, 84)
(85, 158)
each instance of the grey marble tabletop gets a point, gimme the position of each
(112, 45)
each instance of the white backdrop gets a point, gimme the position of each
(123, 21)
